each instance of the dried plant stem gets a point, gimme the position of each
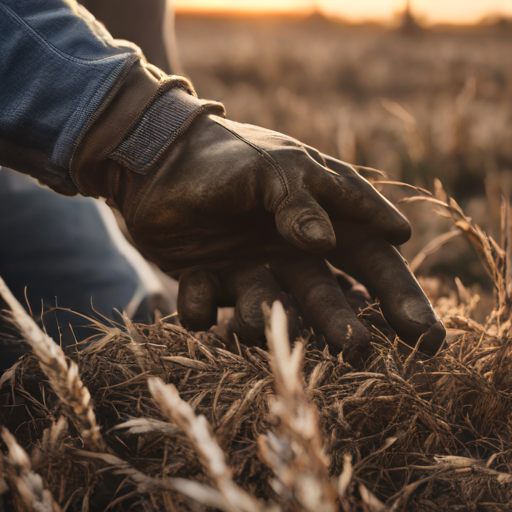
(495, 259)
(431, 247)
(295, 451)
(62, 373)
(28, 487)
(199, 433)
(196, 491)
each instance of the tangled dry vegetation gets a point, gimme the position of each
(157, 418)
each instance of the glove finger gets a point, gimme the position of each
(305, 224)
(310, 281)
(348, 196)
(198, 293)
(251, 286)
(383, 270)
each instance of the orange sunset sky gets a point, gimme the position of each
(430, 11)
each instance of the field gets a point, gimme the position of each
(155, 418)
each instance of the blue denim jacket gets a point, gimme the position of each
(57, 64)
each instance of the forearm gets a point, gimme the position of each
(60, 70)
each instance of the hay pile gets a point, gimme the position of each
(254, 431)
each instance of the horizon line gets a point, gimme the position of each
(307, 13)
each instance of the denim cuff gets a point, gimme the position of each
(158, 127)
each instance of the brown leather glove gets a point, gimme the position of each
(307, 277)
(197, 190)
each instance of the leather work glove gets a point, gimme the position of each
(198, 191)
(307, 277)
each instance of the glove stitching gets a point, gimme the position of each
(275, 165)
(337, 181)
(285, 202)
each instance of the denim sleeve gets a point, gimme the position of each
(57, 66)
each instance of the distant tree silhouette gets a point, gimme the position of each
(408, 23)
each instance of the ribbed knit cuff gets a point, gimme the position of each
(158, 127)
(135, 128)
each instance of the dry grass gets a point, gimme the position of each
(186, 424)
(61, 372)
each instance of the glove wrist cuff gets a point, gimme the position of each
(168, 116)
(144, 117)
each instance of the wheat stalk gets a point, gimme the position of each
(495, 259)
(197, 429)
(294, 450)
(62, 373)
(200, 493)
(27, 485)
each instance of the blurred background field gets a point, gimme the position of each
(417, 103)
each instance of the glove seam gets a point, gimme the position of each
(275, 165)
(289, 198)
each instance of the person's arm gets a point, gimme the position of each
(86, 114)
(58, 69)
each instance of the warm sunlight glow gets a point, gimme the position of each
(430, 11)
(246, 6)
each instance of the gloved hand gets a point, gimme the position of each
(359, 252)
(197, 190)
